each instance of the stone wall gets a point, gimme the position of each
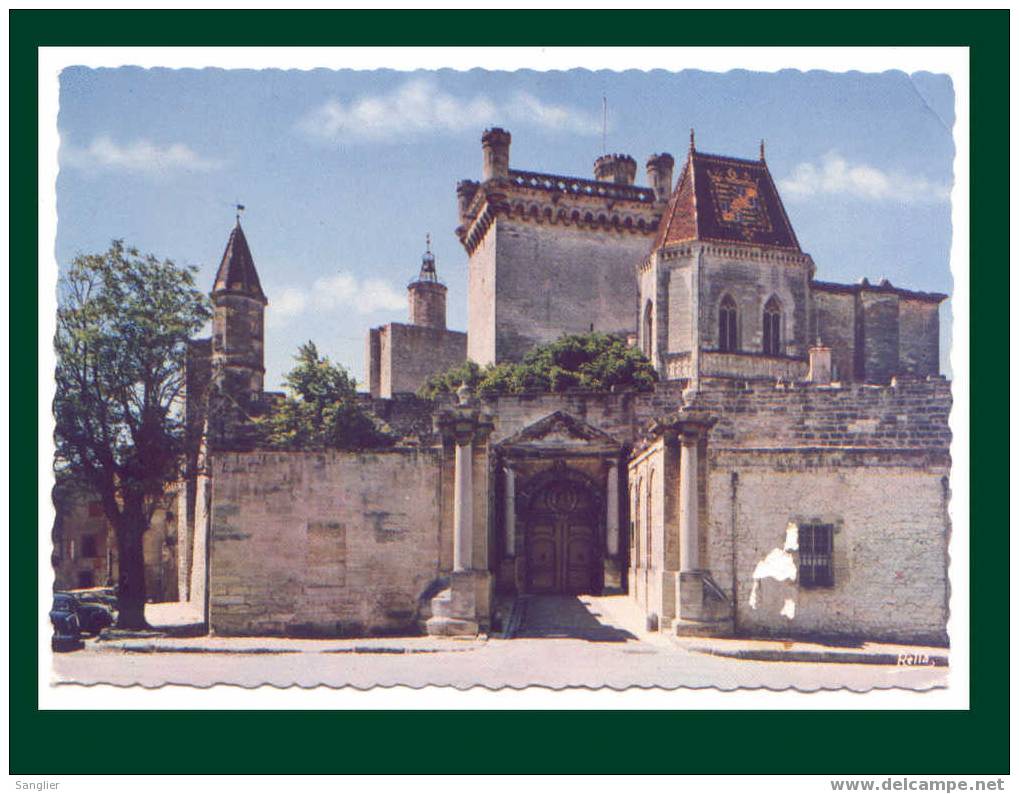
(481, 307)
(910, 415)
(877, 332)
(403, 357)
(919, 328)
(873, 462)
(323, 543)
(548, 280)
(751, 281)
(834, 324)
(890, 552)
(877, 338)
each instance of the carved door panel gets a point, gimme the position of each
(562, 548)
(543, 557)
(578, 557)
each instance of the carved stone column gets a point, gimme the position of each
(612, 568)
(463, 504)
(689, 538)
(510, 511)
(464, 607)
(612, 509)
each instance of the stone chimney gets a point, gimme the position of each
(820, 364)
(495, 146)
(618, 168)
(659, 174)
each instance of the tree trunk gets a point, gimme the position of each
(131, 562)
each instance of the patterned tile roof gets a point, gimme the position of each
(237, 269)
(725, 199)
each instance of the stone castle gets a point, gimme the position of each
(788, 475)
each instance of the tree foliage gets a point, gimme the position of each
(123, 323)
(593, 362)
(321, 409)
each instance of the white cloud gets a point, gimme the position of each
(139, 157)
(420, 106)
(340, 292)
(833, 174)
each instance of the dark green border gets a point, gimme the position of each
(868, 742)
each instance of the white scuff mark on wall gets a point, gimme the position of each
(780, 566)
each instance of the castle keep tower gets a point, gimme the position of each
(427, 295)
(400, 357)
(552, 254)
(238, 323)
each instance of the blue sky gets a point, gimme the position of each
(344, 172)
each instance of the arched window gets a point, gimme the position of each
(728, 334)
(649, 327)
(772, 327)
(649, 523)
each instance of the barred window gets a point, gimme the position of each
(816, 544)
(728, 331)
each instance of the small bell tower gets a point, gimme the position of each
(238, 322)
(427, 295)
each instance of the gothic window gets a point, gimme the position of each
(728, 337)
(649, 327)
(772, 327)
(816, 542)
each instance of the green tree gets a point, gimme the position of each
(321, 409)
(592, 361)
(123, 323)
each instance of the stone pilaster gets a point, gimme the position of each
(464, 607)
(613, 568)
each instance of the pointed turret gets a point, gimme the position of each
(238, 322)
(237, 272)
(427, 295)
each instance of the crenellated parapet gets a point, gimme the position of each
(553, 199)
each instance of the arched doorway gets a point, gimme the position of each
(563, 540)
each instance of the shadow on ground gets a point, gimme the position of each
(566, 617)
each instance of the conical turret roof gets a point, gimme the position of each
(237, 272)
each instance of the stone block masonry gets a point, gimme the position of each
(322, 544)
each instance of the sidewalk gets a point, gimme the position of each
(282, 645)
(815, 652)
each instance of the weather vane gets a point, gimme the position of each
(240, 208)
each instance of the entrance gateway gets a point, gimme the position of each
(562, 540)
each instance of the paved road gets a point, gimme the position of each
(560, 643)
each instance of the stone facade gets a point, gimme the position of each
(399, 358)
(787, 475)
(551, 254)
(323, 543)
(402, 357)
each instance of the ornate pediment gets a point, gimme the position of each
(560, 430)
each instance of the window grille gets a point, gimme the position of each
(816, 543)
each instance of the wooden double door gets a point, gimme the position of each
(563, 541)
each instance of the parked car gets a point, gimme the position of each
(66, 626)
(94, 612)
